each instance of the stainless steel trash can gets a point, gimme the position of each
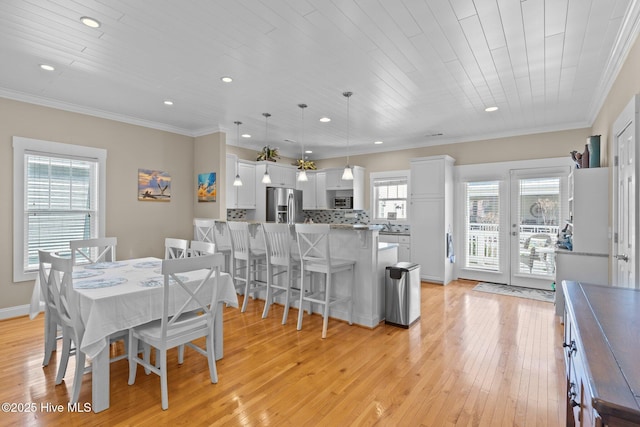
(402, 294)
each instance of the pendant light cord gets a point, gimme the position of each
(347, 95)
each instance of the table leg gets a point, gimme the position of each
(217, 335)
(100, 380)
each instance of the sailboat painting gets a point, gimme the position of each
(154, 186)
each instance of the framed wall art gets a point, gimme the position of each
(207, 187)
(154, 186)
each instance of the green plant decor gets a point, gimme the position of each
(306, 164)
(268, 154)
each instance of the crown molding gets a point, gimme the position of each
(65, 106)
(624, 41)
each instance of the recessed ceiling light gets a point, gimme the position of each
(90, 22)
(246, 135)
(490, 109)
(47, 67)
(377, 142)
(325, 119)
(226, 79)
(168, 102)
(308, 151)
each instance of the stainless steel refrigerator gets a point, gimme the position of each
(284, 205)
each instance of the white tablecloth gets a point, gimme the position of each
(112, 309)
(116, 308)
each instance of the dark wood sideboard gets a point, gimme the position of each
(602, 355)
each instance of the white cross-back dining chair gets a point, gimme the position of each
(102, 249)
(252, 260)
(175, 248)
(315, 255)
(52, 320)
(282, 263)
(182, 327)
(198, 248)
(60, 286)
(204, 230)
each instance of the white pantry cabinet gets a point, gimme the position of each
(431, 216)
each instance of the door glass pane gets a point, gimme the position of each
(482, 225)
(539, 219)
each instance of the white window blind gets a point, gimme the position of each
(390, 198)
(483, 225)
(60, 203)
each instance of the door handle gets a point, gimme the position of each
(514, 233)
(622, 258)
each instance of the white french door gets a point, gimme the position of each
(537, 208)
(511, 222)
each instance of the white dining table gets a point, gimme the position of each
(120, 295)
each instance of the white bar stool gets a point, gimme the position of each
(253, 259)
(314, 244)
(280, 260)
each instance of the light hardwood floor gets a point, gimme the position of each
(473, 359)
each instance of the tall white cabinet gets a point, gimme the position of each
(431, 216)
(589, 210)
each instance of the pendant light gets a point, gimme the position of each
(237, 182)
(302, 175)
(347, 175)
(266, 179)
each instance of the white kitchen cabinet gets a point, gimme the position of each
(308, 191)
(404, 245)
(335, 181)
(314, 193)
(244, 196)
(589, 207)
(282, 176)
(428, 176)
(431, 216)
(321, 190)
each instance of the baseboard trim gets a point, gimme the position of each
(17, 311)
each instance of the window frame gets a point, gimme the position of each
(398, 174)
(23, 146)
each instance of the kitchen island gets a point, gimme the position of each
(360, 243)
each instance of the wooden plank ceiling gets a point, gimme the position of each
(422, 71)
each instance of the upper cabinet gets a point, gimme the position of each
(428, 176)
(244, 196)
(314, 191)
(283, 176)
(335, 181)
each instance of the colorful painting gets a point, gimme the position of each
(207, 187)
(154, 186)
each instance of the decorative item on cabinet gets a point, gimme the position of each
(268, 154)
(585, 157)
(593, 142)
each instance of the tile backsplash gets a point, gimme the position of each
(343, 216)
